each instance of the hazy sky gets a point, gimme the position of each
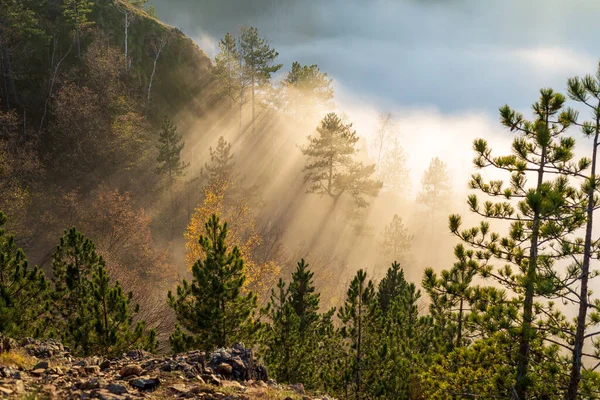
(443, 67)
(452, 54)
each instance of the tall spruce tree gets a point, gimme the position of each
(538, 213)
(23, 290)
(331, 168)
(212, 308)
(258, 63)
(90, 314)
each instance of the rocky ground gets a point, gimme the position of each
(31, 369)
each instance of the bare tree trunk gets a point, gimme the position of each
(241, 105)
(253, 110)
(158, 47)
(24, 124)
(126, 40)
(53, 75)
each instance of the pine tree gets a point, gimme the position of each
(76, 12)
(258, 63)
(307, 88)
(91, 315)
(303, 297)
(212, 307)
(541, 214)
(331, 169)
(585, 91)
(169, 151)
(392, 169)
(390, 287)
(354, 316)
(228, 70)
(113, 318)
(297, 336)
(283, 354)
(23, 290)
(402, 338)
(220, 169)
(396, 241)
(169, 159)
(452, 294)
(436, 190)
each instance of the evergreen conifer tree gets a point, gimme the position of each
(308, 88)
(212, 308)
(258, 63)
(354, 316)
(76, 12)
(169, 159)
(585, 91)
(436, 186)
(23, 290)
(228, 70)
(303, 297)
(452, 294)
(396, 241)
(541, 214)
(331, 169)
(283, 354)
(169, 151)
(91, 315)
(220, 169)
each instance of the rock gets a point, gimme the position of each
(38, 372)
(104, 394)
(41, 365)
(20, 387)
(178, 388)
(105, 364)
(298, 388)
(225, 369)
(130, 370)
(8, 372)
(145, 384)
(137, 354)
(232, 384)
(201, 389)
(115, 388)
(211, 379)
(93, 383)
(7, 344)
(91, 369)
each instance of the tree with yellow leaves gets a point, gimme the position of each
(262, 275)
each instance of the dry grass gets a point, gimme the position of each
(17, 359)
